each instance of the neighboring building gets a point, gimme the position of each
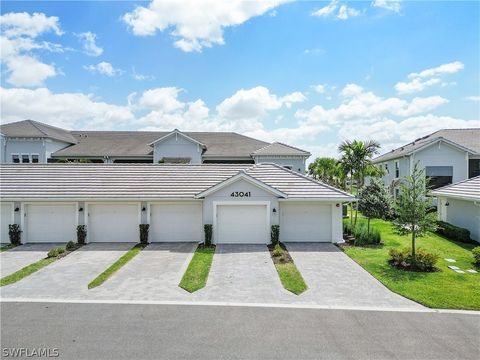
(240, 201)
(459, 205)
(30, 141)
(448, 156)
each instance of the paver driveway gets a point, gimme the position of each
(68, 277)
(244, 273)
(154, 274)
(21, 256)
(336, 280)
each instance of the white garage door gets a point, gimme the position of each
(242, 224)
(6, 213)
(176, 222)
(305, 222)
(50, 223)
(113, 223)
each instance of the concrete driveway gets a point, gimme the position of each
(244, 273)
(154, 274)
(336, 280)
(21, 256)
(68, 277)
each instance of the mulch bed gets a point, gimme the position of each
(282, 259)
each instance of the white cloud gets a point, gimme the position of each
(319, 88)
(19, 39)
(141, 77)
(161, 99)
(473, 98)
(337, 10)
(426, 78)
(255, 103)
(89, 43)
(391, 5)
(351, 90)
(104, 68)
(194, 24)
(68, 110)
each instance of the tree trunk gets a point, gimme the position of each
(413, 243)
(351, 204)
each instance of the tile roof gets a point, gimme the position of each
(147, 181)
(467, 138)
(135, 143)
(467, 189)
(278, 148)
(30, 128)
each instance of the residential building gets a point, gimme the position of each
(29, 141)
(447, 156)
(459, 205)
(241, 201)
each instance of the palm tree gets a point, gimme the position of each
(348, 165)
(324, 169)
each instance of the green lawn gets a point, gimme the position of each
(291, 278)
(27, 270)
(196, 275)
(125, 258)
(6, 247)
(446, 289)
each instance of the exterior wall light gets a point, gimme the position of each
(80, 209)
(447, 203)
(144, 209)
(274, 210)
(17, 209)
(337, 205)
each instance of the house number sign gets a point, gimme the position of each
(241, 194)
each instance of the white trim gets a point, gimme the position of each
(239, 203)
(440, 139)
(23, 215)
(340, 200)
(453, 196)
(87, 217)
(177, 132)
(244, 176)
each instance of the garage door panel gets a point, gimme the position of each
(113, 223)
(176, 222)
(50, 223)
(305, 223)
(246, 224)
(6, 213)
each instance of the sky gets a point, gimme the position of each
(310, 74)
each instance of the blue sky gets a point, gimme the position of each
(306, 73)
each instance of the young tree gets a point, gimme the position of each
(375, 202)
(412, 207)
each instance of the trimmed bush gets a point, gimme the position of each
(70, 246)
(363, 237)
(278, 250)
(208, 229)
(144, 233)
(424, 261)
(275, 234)
(14, 233)
(476, 255)
(81, 234)
(453, 232)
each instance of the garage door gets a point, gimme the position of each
(50, 223)
(6, 214)
(305, 223)
(242, 224)
(176, 222)
(113, 223)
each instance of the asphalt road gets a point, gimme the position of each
(111, 331)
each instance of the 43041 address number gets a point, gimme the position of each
(241, 194)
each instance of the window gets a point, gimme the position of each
(25, 158)
(397, 169)
(15, 158)
(439, 176)
(473, 168)
(386, 168)
(34, 158)
(289, 167)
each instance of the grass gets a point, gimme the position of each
(445, 289)
(30, 269)
(7, 247)
(291, 278)
(196, 275)
(117, 265)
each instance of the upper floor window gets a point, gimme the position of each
(15, 158)
(386, 168)
(25, 158)
(397, 169)
(34, 158)
(439, 175)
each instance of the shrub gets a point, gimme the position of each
(453, 232)
(70, 246)
(363, 237)
(81, 234)
(14, 234)
(275, 234)
(144, 233)
(476, 255)
(208, 229)
(424, 261)
(347, 228)
(60, 250)
(278, 250)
